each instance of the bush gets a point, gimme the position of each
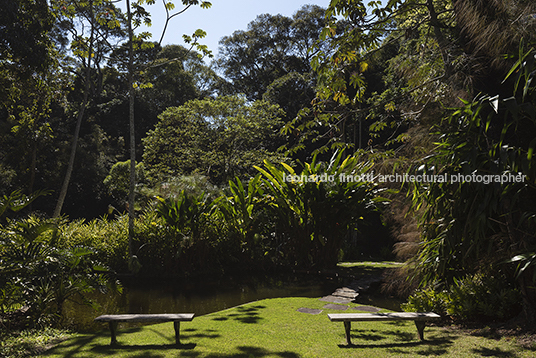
(39, 275)
(473, 297)
(107, 238)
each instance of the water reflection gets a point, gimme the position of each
(203, 296)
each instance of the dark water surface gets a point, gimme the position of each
(202, 296)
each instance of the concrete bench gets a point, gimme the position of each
(420, 319)
(176, 318)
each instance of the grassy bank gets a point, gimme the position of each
(274, 328)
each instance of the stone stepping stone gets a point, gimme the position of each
(345, 292)
(366, 308)
(335, 299)
(331, 306)
(309, 310)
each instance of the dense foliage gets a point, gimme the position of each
(220, 138)
(437, 89)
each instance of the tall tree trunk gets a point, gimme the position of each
(131, 194)
(74, 145)
(80, 116)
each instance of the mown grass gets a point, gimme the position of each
(274, 328)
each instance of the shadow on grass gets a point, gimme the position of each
(495, 352)
(73, 346)
(404, 342)
(93, 343)
(249, 351)
(249, 315)
(433, 347)
(142, 348)
(371, 335)
(196, 333)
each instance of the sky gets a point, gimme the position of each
(222, 19)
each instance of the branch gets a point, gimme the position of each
(168, 17)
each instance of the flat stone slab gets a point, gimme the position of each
(309, 310)
(366, 308)
(345, 293)
(335, 299)
(331, 306)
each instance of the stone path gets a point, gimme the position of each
(339, 299)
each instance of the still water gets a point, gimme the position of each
(202, 296)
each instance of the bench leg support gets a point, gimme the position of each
(420, 329)
(177, 326)
(113, 331)
(347, 327)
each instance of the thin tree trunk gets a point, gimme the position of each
(33, 164)
(74, 145)
(131, 194)
(80, 116)
(441, 40)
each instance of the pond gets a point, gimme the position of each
(202, 296)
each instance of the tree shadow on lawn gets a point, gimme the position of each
(248, 352)
(434, 347)
(493, 352)
(403, 341)
(94, 343)
(249, 315)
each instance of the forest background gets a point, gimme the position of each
(122, 155)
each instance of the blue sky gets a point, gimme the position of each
(222, 19)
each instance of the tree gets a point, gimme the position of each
(90, 31)
(221, 138)
(133, 20)
(23, 34)
(272, 47)
(27, 87)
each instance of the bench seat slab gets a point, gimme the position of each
(158, 317)
(419, 318)
(176, 318)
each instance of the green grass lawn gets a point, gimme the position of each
(274, 328)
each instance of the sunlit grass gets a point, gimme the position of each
(30, 342)
(370, 264)
(274, 328)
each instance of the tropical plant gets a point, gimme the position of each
(17, 201)
(484, 212)
(186, 214)
(117, 181)
(240, 210)
(37, 274)
(318, 207)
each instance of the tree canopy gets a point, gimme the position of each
(220, 138)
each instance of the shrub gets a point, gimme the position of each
(473, 297)
(107, 238)
(39, 275)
